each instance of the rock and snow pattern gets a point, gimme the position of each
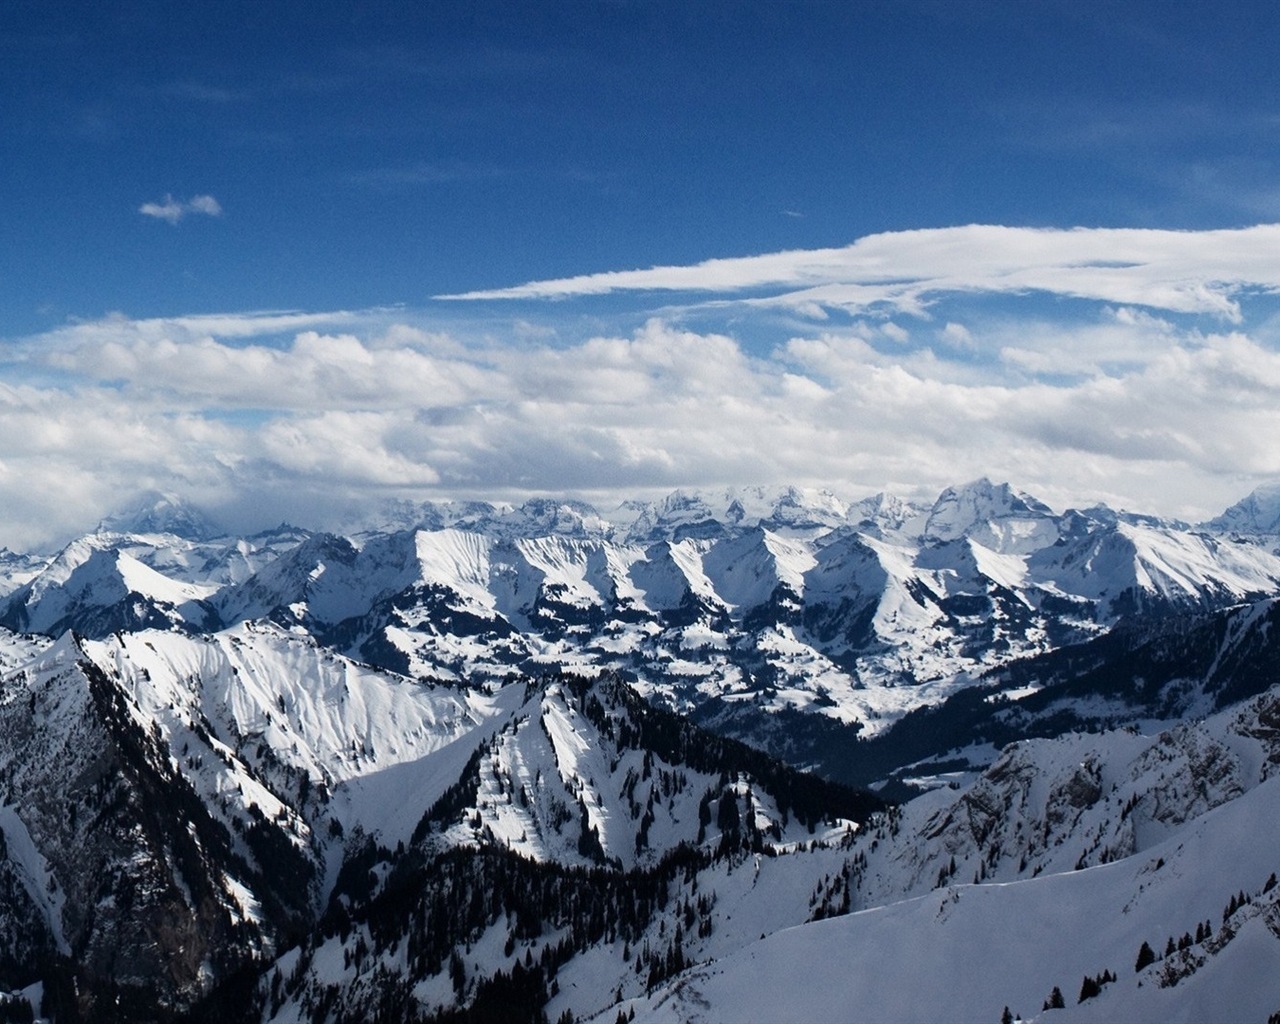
(451, 763)
(770, 600)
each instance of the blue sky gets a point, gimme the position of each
(179, 177)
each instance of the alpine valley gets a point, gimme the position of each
(752, 755)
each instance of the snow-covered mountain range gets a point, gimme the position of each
(768, 600)
(478, 762)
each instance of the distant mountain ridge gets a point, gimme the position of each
(772, 598)
(490, 764)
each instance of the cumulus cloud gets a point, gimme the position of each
(174, 210)
(1157, 388)
(898, 334)
(1177, 271)
(1126, 408)
(957, 335)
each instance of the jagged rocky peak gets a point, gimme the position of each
(995, 515)
(17, 568)
(885, 513)
(549, 517)
(391, 516)
(709, 514)
(537, 517)
(1257, 514)
(158, 512)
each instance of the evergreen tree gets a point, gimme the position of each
(1146, 956)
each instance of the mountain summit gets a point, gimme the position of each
(158, 512)
(1256, 515)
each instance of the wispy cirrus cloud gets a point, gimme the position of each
(1177, 271)
(173, 210)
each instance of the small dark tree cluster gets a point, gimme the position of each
(1092, 984)
(637, 724)
(15, 1010)
(1235, 903)
(834, 896)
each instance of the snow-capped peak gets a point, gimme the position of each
(155, 512)
(1258, 514)
(996, 515)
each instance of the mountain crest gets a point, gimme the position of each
(1257, 514)
(997, 515)
(160, 512)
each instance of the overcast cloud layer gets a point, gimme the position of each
(1160, 391)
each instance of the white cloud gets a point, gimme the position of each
(314, 372)
(173, 210)
(270, 431)
(957, 335)
(896, 333)
(1177, 271)
(206, 205)
(282, 414)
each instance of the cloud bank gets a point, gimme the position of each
(1169, 405)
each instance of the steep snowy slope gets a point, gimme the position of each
(995, 515)
(315, 584)
(539, 517)
(1256, 516)
(157, 512)
(707, 515)
(1055, 865)
(17, 568)
(575, 840)
(239, 786)
(1128, 569)
(968, 952)
(139, 890)
(1085, 848)
(585, 773)
(176, 806)
(178, 540)
(328, 739)
(94, 586)
(221, 562)
(1174, 667)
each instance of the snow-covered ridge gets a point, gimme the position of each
(1066, 858)
(780, 598)
(366, 742)
(1057, 864)
(235, 774)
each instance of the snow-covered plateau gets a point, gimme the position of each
(760, 754)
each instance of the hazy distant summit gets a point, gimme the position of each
(161, 512)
